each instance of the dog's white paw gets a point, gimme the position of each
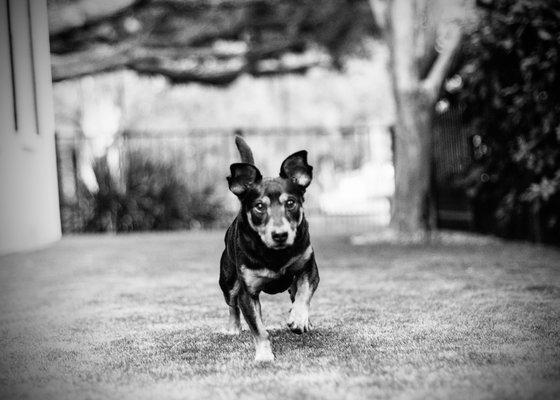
(264, 352)
(298, 320)
(234, 324)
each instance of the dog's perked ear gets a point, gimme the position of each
(243, 175)
(296, 169)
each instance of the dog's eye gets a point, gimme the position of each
(290, 204)
(259, 207)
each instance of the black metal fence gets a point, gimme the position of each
(351, 192)
(453, 155)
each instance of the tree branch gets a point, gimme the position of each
(402, 45)
(193, 65)
(188, 75)
(380, 12)
(209, 41)
(432, 83)
(101, 58)
(71, 15)
(67, 18)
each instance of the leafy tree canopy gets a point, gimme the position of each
(206, 41)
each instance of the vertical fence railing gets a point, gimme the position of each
(452, 159)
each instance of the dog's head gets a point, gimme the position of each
(273, 207)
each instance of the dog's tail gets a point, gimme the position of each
(244, 150)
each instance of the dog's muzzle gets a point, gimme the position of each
(280, 237)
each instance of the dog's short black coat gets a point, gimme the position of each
(267, 246)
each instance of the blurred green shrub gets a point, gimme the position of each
(149, 195)
(511, 77)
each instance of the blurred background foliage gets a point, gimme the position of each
(257, 64)
(206, 41)
(149, 194)
(510, 71)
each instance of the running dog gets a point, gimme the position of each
(267, 246)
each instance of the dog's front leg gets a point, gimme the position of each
(251, 308)
(301, 291)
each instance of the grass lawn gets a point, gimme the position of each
(140, 317)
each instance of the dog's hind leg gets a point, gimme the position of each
(234, 323)
(301, 291)
(230, 288)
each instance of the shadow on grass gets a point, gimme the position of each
(291, 350)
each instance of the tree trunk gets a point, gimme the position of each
(410, 214)
(417, 73)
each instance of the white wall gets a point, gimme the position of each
(29, 213)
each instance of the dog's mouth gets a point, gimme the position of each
(275, 245)
(279, 246)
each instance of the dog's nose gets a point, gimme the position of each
(279, 237)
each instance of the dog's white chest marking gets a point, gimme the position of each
(297, 262)
(256, 278)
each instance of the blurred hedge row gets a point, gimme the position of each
(149, 195)
(511, 88)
